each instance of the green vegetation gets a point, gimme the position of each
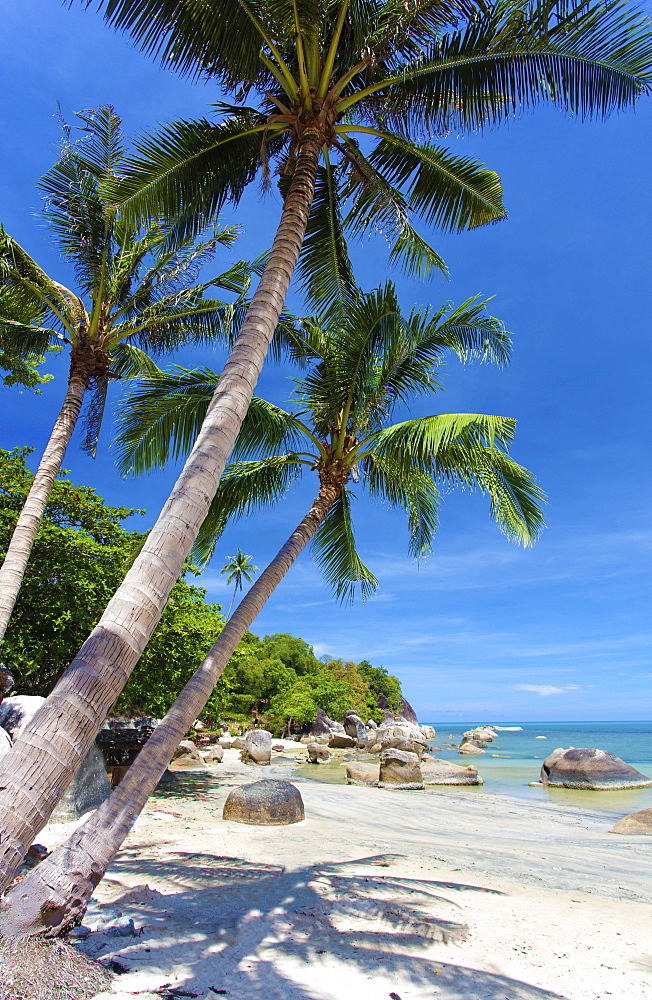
(80, 555)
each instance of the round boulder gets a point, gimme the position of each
(258, 746)
(265, 803)
(636, 824)
(186, 757)
(399, 769)
(596, 770)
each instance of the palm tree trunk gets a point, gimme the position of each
(54, 896)
(29, 520)
(38, 769)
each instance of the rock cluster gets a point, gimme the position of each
(592, 769)
(431, 771)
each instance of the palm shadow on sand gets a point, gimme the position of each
(249, 931)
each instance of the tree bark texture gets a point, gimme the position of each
(37, 770)
(29, 520)
(53, 897)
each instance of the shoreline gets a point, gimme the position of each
(376, 892)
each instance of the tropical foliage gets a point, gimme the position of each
(370, 360)
(80, 555)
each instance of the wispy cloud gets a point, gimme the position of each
(545, 690)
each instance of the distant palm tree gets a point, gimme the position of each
(369, 361)
(240, 567)
(136, 296)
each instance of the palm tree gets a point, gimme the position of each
(136, 296)
(344, 94)
(240, 567)
(368, 361)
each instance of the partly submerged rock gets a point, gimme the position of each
(444, 772)
(318, 754)
(636, 824)
(470, 749)
(399, 769)
(265, 803)
(596, 770)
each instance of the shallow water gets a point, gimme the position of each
(523, 756)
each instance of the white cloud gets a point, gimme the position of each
(544, 690)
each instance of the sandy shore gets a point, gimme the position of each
(377, 894)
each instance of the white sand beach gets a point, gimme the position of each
(378, 894)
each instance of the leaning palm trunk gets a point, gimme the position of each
(22, 540)
(38, 769)
(54, 896)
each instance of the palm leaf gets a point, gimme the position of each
(244, 489)
(333, 547)
(426, 439)
(402, 485)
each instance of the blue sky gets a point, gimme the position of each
(482, 629)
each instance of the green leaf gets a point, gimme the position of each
(333, 547)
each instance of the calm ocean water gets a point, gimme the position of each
(522, 754)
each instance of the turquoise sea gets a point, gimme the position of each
(522, 754)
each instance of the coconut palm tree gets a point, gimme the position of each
(370, 360)
(136, 296)
(343, 94)
(238, 568)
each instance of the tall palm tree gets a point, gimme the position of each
(368, 361)
(343, 93)
(238, 568)
(135, 296)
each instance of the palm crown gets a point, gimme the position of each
(364, 364)
(371, 82)
(136, 290)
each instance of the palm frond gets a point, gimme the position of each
(189, 170)
(402, 485)
(324, 267)
(245, 488)
(451, 192)
(333, 547)
(588, 58)
(428, 439)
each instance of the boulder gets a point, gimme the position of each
(359, 772)
(429, 732)
(318, 754)
(323, 726)
(636, 824)
(16, 712)
(87, 790)
(278, 746)
(186, 757)
(340, 741)
(444, 772)
(408, 712)
(238, 743)
(226, 742)
(258, 746)
(481, 733)
(470, 749)
(589, 768)
(354, 727)
(398, 736)
(264, 803)
(214, 754)
(372, 724)
(399, 769)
